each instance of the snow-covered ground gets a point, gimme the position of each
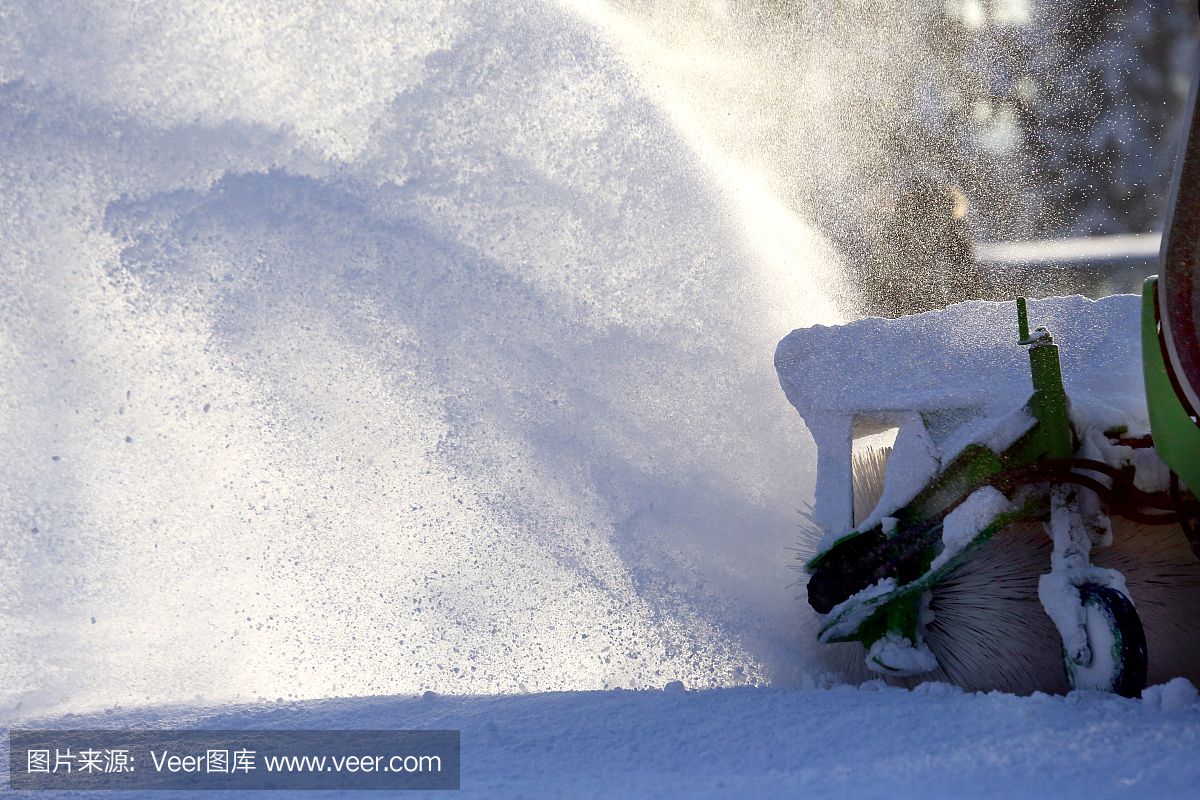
(354, 351)
(870, 742)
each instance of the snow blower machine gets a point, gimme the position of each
(1034, 527)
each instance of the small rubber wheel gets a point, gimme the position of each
(1117, 641)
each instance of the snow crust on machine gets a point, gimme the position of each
(860, 609)
(964, 356)
(914, 461)
(998, 434)
(893, 654)
(966, 522)
(953, 377)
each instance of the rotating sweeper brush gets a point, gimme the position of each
(1034, 530)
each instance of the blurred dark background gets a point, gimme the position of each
(1035, 121)
(995, 147)
(955, 149)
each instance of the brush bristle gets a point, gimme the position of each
(1163, 578)
(867, 469)
(990, 632)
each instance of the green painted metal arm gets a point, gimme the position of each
(1176, 437)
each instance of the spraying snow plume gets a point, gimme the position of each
(378, 351)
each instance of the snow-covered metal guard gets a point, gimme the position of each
(977, 451)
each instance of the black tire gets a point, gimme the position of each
(1118, 644)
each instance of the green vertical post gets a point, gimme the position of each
(1049, 402)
